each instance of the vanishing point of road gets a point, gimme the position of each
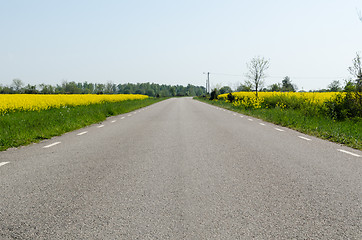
(181, 169)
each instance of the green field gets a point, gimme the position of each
(347, 132)
(22, 128)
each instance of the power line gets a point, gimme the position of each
(305, 77)
(298, 77)
(227, 74)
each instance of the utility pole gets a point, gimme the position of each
(207, 83)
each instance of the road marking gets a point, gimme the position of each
(350, 153)
(280, 130)
(3, 163)
(122, 117)
(100, 126)
(305, 138)
(79, 134)
(114, 121)
(51, 145)
(129, 115)
(234, 114)
(224, 110)
(262, 124)
(250, 119)
(135, 113)
(241, 116)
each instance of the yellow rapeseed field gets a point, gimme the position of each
(279, 99)
(38, 102)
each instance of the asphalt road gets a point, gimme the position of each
(181, 169)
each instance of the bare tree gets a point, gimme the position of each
(356, 71)
(18, 84)
(256, 72)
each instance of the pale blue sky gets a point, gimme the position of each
(174, 42)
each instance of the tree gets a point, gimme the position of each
(150, 92)
(70, 87)
(244, 87)
(356, 71)
(173, 91)
(225, 89)
(30, 89)
(275, 87)
(110, 88)
(354, 95)
(287, 85)
(46, 89)
(349, 86)
(99, 88)
(334, 86)
(214, 94)
(256, 72)
(17, 84)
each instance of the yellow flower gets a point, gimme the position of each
(38, 102)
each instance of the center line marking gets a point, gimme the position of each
(129, 115)
(3, 163)
(114, 121)
(280, 130)
(350, 153)
(100, 126)
(122, 117)
(241, 116)
(79, 134)
(51, 145)
(234, 114)
(262, 124)
(250, 119)
(305, 138)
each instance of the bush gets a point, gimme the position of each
(344, 106)
(231, 98)
(214, 94)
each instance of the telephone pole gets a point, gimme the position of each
(207, 83)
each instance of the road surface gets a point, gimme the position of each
(181, 169)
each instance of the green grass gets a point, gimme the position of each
(347, 132)
(22, 128)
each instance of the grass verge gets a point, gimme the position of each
(22, 128)
(347, 132)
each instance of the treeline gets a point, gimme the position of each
(150, 89)
(286, 85)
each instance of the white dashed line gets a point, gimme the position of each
(305, 138)
(241, 116)
(234, 114)
(262, 124)
(122, 117)
(82, 133)
(280, 130)
(350, 153)
(129, 115)
(100, 126)
(3, 163)
(114, 121)
(51, 145)
(250, 119)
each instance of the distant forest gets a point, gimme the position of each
(150, 89)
